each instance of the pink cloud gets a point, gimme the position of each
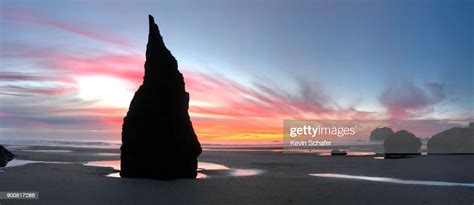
(125, 66)
(404, 99)
(20, 76)
(29, 90)
(230, 99)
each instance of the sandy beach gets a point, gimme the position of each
(240, 177)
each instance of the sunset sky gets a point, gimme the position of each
(68, 70)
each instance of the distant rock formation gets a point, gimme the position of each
(402, 143)
(158, 139)
(380, 134)
(457, 140)
(5, 156)
(336, 152)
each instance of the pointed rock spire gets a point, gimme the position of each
(158, 58)
(158, 139)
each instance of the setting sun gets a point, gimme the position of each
(106, 91)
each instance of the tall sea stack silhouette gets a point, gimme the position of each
(158, 139)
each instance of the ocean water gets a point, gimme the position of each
(25, 143)
(41, 142)
(353, 149)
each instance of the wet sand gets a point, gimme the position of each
(284, 179)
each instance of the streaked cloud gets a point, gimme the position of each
(18, 15)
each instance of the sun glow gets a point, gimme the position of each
(106, 91)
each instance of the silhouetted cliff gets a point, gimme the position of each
(457, 140)
(380, 134)
(158, 139)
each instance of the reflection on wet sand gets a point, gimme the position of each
(211, 170)
(392, 180)
(354, 154)
(20, 162)
(205, 169)
(108, 163)
(47, 150)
